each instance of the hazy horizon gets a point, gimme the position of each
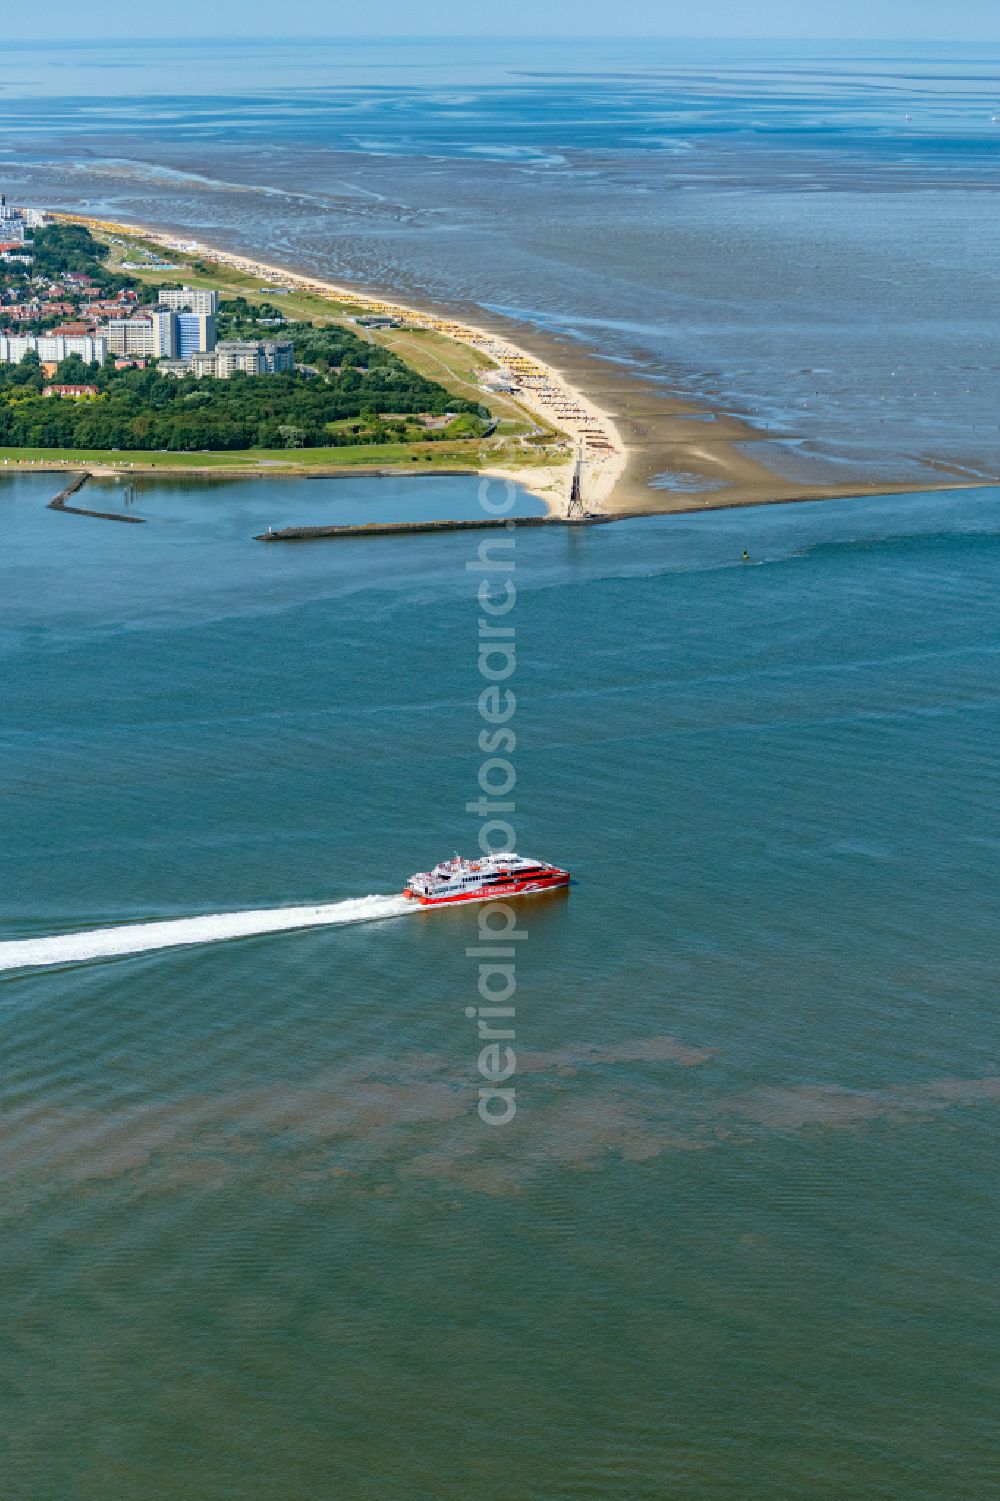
(738, 20)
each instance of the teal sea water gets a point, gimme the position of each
(739, 1240)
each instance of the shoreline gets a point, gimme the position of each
(629, 432)
(541, 389)
(681, 504)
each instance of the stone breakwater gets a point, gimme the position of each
(60, 503)
(400, 528)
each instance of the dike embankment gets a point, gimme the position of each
(60, 502)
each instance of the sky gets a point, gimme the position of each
(917, 20)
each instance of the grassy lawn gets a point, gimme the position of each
(305, 306)
(456, 366)
(470, 454)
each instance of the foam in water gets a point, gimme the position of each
(139, 938)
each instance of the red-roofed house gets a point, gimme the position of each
(71, 393)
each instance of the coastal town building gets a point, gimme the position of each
(53, 348)
(15, 222)
(202, 363)
(195, 334)
(375, 320)
(21, 312)
(233, 357)
(246, 356)
(203, 300)
(71, 393)
(152, 334)
(30, 218)
(104, 307)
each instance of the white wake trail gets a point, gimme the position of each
(139, 938)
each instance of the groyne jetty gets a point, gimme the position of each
(408, 528)
(59, 503)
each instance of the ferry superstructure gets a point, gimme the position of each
(483, 880)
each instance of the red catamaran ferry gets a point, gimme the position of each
(482, 880)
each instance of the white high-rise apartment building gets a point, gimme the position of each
(152, 335)
(204, 300)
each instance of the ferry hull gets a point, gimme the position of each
(494, 893)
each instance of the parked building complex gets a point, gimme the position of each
(247, 356)
(52, 348)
